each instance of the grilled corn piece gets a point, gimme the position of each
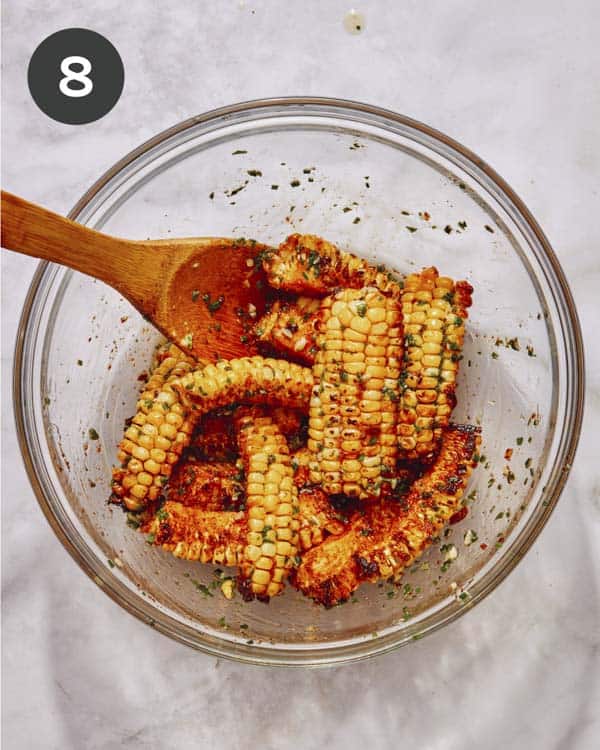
(220, 536)
(272, 501)
(290, 329)
(434, 309)
(159, 431)
(253, 380)
(353, 408)
(308, 265)
(386, 537)
(217, 537)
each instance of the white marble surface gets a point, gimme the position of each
(517, 82)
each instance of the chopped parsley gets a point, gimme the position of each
(202, 588)
(212, 305)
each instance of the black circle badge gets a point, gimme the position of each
(75, 76)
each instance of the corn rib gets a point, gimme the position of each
(159, 431)
(206, 536)
(272, 501)
(353, 407)
(434, 310)
(253, 380)
(212, 534)
(308, 265)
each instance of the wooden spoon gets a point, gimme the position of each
(203, 293)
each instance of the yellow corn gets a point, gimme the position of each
(159, 431)
(290, 328)
(307, 264)
(434, 309)
(272, 501)
(353, 408)
(253, 380)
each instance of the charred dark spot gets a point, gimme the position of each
(326, 595)
(164, 533)
(452, 485)
(367, 569)
(244, 586)
(459, 515)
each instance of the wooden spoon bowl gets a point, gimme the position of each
(203, 293)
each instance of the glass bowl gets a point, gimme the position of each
(373, 182)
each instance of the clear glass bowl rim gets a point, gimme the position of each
(365, 114)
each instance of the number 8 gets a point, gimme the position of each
(71, 75)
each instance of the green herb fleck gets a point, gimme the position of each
(93, 434)
(254, 172)
(212, 305)
(470, 537)
(202, 588)
(133, 521)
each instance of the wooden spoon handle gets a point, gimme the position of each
(33, 230)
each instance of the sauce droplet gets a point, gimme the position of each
(354, 22)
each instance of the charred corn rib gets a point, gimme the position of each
(254, 380)
(306, 264)
(353, 408)
(434, 310)
(387, 537)
(159, 431)
(217, 537)
(272, 501)
(290, 329)
(220, 536)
